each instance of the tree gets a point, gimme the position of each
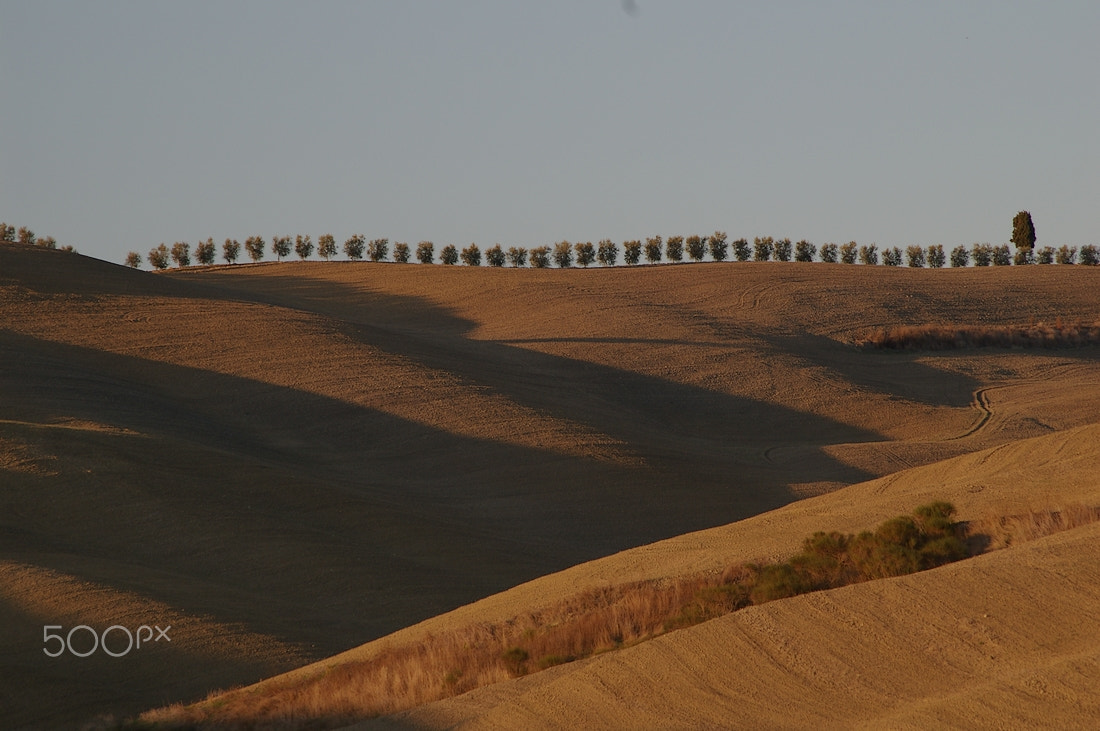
(7, 234)
(868, 255)
(829, 253)
(254, 245)
(1066, 255)
(1045, 255)
(741, 250)
(133, 259)
(1090, 255)
(378, 249)
(303, 246)
(231, 249)
(696, 247)
(960, 256)
(181, 253)
(540, 257)
(425, 252)
(448, 255)
(718, 246)
(49, 242)
(517, 256)
(25, 236)
(936, 257)
(159, 257)
(675, 248)
(494, 257)
(982, 254)
(563, 254)
(401, 252)
(1023, 231)
(653, 249)
(471, 256)
(586, 253)
(280, 247)
(205, 252)
(1002, 257)
(1024, 256)
(804, 251)
(632, 252)
(783, 250)
(355, 245)
(848, 252)
(891, 257)
(763, 248)
(607, 252)
(326, 246)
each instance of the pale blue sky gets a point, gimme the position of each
(126, 124)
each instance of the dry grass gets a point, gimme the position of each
(1003, 531)
(948, 337)
(580, 626)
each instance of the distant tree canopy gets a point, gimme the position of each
(181, 253)
(718, 246)
(494, 256)
(425, 252)
(696, 247)
(653, 249)
(783, 250)
(471, 256)
(303, 246)
(448, 255)
(674, 249)
(254, 245)
(280, 247)
(231, 249)
(540, 257)
(355, 245)
(1023, 231)
(205, 252)
(159, 257)
(133, 259)
(401, 252)
(378, 249)
(326, 246)
(563, 254)
(517, 256)
(632, 252)
(607, 252)
(586, 253)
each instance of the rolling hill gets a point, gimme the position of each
(285, 461)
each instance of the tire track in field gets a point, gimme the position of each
(981, 404)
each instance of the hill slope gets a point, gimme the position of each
(284, 461)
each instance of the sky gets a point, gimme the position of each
(128, 124)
